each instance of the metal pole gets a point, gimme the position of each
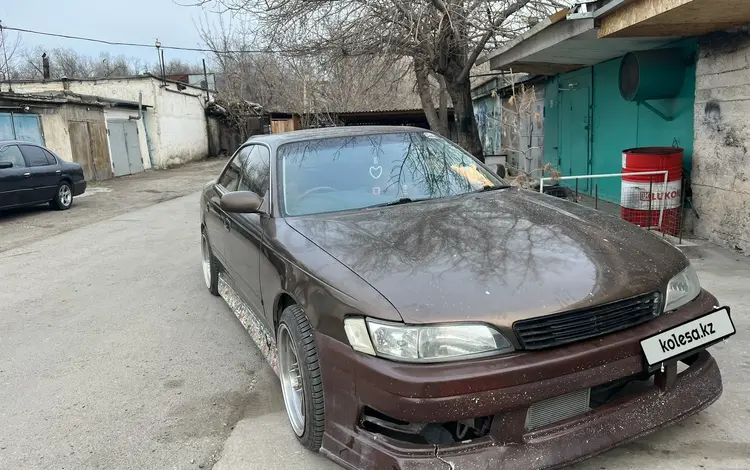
(159, 56)
(205, 77)
(596, 200)
(682, 206)
(650, 198)
(576, 190)
(663, 202)
(163, 69)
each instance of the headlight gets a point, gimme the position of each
(682, 288)
(424, 343)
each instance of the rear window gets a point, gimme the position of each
(50, 158)
(34, 155)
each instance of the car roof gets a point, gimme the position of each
(330, 132)
(21, 142)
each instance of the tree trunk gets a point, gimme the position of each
(443, 103)
(425, 96)
(463, 110)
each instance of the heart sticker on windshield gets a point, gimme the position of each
(376, 171)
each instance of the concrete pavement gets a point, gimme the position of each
(113, 355)
(106, 199)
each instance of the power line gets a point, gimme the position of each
(135, 44)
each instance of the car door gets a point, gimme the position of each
(245, 237)
(216, 219)
(11, 179)
(43, 176)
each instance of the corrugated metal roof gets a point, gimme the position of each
(63, 97)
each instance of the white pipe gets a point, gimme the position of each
(608, 175)
(662, 202)
(583, 177)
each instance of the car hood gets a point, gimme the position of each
(494, 257)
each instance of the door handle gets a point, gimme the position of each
(227, 224)
(58, 172)
(27, 175)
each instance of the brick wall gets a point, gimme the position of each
(721, 164)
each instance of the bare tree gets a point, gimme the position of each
(65, 62)
(9, 47)
(444, 37)
(111, 66)
(519, 117)
(314, 86)
(177, 67)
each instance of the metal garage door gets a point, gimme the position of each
(125, 150)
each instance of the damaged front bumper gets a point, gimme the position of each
(503, 390)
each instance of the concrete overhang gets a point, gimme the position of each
(563, 45)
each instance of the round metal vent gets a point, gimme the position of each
(652, 75)
(629, 77)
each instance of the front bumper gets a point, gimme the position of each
(505, 388)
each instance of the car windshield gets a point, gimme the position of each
(345, 173)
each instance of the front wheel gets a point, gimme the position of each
(210, 266)
(63, 197)
(301, 380)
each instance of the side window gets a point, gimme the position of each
(256, 172)
(51, 160)
(34, 155)
(12, 154)
(230, 179)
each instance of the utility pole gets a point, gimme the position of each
(205, 78)
(160, 56)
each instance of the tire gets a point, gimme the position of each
(294, 323)
(63, 197)
(210, 265)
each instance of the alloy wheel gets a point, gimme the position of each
(206, 260)
(66, 196)
(291, 380)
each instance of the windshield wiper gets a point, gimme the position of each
(397, 202)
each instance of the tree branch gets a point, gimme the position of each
(425, 95)
(510, 10)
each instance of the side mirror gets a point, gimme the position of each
(241, 202)
(6, 165)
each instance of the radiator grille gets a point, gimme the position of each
(578, 325)
(557, 409)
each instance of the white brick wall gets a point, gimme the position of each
(721, 164)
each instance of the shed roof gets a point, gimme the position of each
(564, 45)
(148, 75)
(575, 38)
(67, 97)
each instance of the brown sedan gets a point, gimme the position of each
(422, 314)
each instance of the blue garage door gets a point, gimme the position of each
(26, 127)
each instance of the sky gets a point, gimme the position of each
(139, 21)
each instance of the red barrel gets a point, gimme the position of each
(643, 196)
